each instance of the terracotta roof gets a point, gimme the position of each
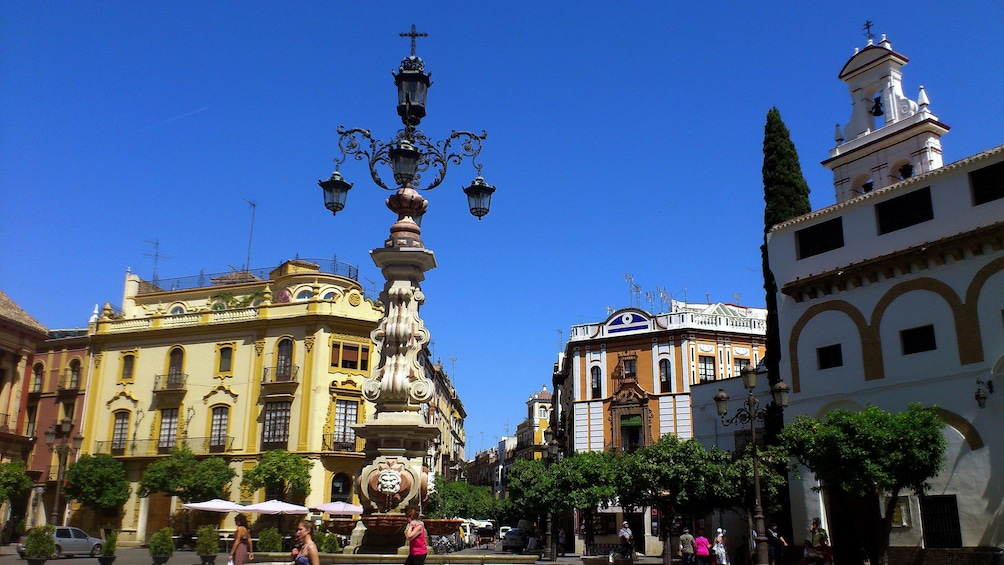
(10, 311)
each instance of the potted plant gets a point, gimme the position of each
(269, 541)
(108, 548)
(162, 545)
(207, 546)
(40, 544)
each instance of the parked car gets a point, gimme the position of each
(69, 542)
(515, 540)
(503, 531)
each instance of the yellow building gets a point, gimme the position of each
(233, 365)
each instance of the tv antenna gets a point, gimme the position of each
(247, 266)
(453, 369)
(868, 31)
(156, 256)
(561, 340)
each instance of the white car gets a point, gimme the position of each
(69, 542)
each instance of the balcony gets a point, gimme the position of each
(149, 447)
(280, 382)
(344, 443)
(170, 388)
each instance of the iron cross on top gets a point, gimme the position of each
(413, 35)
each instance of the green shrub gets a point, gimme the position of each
(111, 540)
(208, 542)
(162, 542)
(41, 542)
(327, 542)
(269, 540)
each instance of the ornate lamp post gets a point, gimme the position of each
(751, 413)
(549, 458)
(393, 479)
(62, 450)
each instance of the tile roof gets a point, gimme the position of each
(10, 311)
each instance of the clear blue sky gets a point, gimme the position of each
(624, 137)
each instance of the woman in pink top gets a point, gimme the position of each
(415, 534)
(702, 548)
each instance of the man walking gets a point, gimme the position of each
(626, 538)
(687, 547)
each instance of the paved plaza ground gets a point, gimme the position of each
(140, 556)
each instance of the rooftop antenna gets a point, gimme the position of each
(661, 290)
(868, 31)
(735, 297)
(453, 369)
(707, 296)
(650, 298)
(561, 340)
(630, 280)
(156, 255)
(247, 266)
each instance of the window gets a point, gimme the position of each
(829, 356)
(630, 367)
(168, 430)
(329, 295)
(226, 359)
(350, 356)
(987, 184)
(630, 432)
(738, 365)
(819, 238)
(345, 417)
(68, 409)
(217, 306)
(175, 367)
(940, 516)
(304, 295)
(32, 417)
(917, 340)
(596, 378)
(706, 368)
(120, 432)
(74, 376)
(128, 362)
(275, 433)
(904, 211)
(665, 376)
(284, 360)
(341, 487)
(36, 377)
(177, 310)
(218, 431)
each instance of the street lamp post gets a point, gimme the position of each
(751, 413)
(392, 478)
(62, 450)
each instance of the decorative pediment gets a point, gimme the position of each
(219, 389)
(123, 394)
(628, 320)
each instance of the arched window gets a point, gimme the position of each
(341, 488)
(226, 359)
(120, 432)
(175, 367)
(304, 295)
(665, 376)
(284, 360)
(177, 310)
(596, 378)
(128, 363)
(218, 432)
(329, 295)
(36, 377)
(74, 377)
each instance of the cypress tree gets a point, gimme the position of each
(786, 195)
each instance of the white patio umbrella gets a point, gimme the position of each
(214, 505)
(275, 507)
(339, 508)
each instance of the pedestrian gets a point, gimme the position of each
(702, 548)
(687, 547)
(242, 549)
(816, 532)
(307, 553)
(721, 548)
(418, 547)
(775, 544)
(561, 542)
(626, 538)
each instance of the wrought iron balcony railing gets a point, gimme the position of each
(147, 447)
(339, 442)
(170, 382)
(280, 374)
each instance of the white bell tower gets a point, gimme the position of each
(889, 137)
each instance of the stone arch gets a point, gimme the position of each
(969, 309)
(961, 425)
(868, 349)
(971, 348)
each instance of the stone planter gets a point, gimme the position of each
(343, 526)
(106, 559)
(385, 525)
(442, 527)
(160, 559)
(208, 559)
(36, 560)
